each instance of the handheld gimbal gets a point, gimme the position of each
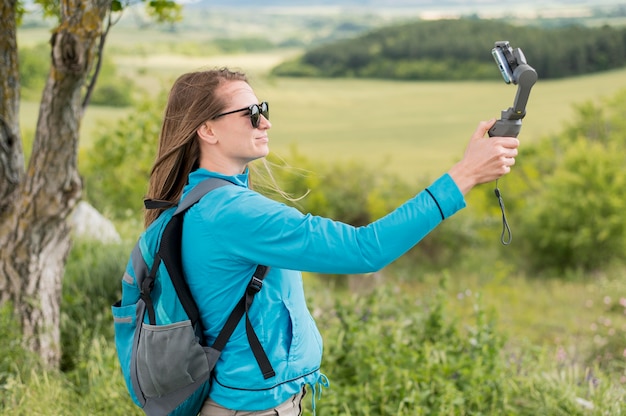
(515, 69)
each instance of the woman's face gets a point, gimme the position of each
(228, 143)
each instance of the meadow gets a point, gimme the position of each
(414, 129)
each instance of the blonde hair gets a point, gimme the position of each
(192, 100)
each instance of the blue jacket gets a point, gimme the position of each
(233, 229)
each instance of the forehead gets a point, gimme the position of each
(238, 93)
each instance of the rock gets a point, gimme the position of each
(88, 223)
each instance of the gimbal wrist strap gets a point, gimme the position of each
(506, 237)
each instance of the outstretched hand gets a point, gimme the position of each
(486, 158)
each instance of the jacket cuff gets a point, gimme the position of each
(446, 195)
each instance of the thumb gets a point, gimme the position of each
(483, 128)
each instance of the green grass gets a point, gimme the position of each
(413, 128)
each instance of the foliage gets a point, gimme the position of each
(459, 49)
(573, 189)
(90, 381)
(33, 69)
(352, 192)
(389, 353)
(162, 11)
(609, 338)
(117, 166)
(406, 358)
(112, 90)
(13, 356)
(92, 280)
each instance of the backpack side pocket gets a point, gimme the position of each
(186, 360)
(124, 322)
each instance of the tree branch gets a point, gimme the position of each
(99, 58)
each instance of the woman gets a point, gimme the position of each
(214, 126)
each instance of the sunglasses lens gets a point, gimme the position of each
(254, 115)
(256, 111)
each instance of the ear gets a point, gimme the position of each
(206, 133)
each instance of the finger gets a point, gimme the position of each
(506, 142)
(483, 127)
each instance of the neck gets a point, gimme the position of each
(220, 166)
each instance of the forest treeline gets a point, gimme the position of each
(461, 50)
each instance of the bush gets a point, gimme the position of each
(111, 89)
(117, 166)
(571, 192)
(389, 354)
(91, 284)
(113, 93)
(34, 64)
(578, 219)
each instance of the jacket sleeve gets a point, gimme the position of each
(259, 230)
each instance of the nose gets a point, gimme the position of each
(264, 123)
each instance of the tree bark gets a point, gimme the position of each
(34, 232)
(11, 153)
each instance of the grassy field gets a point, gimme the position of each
(412, 128)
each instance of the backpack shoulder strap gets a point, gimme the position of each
(171, 241)
(255, 285)
(170, 253)
(198, 192)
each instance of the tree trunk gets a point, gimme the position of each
(34, 233)
(11, 153)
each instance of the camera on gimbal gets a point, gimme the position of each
(514, 69)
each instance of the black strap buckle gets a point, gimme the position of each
(255, 285)
(146, 287)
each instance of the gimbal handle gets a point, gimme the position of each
(510, 122)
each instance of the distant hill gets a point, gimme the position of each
(459, 49)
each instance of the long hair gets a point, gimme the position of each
(191, 102)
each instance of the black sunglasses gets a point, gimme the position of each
(256, 111)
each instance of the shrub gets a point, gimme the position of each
(577, 220)
(113, 93)
(91, 284)
(117, 166)
(573, 215)
(389, 354)
(34, 63)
